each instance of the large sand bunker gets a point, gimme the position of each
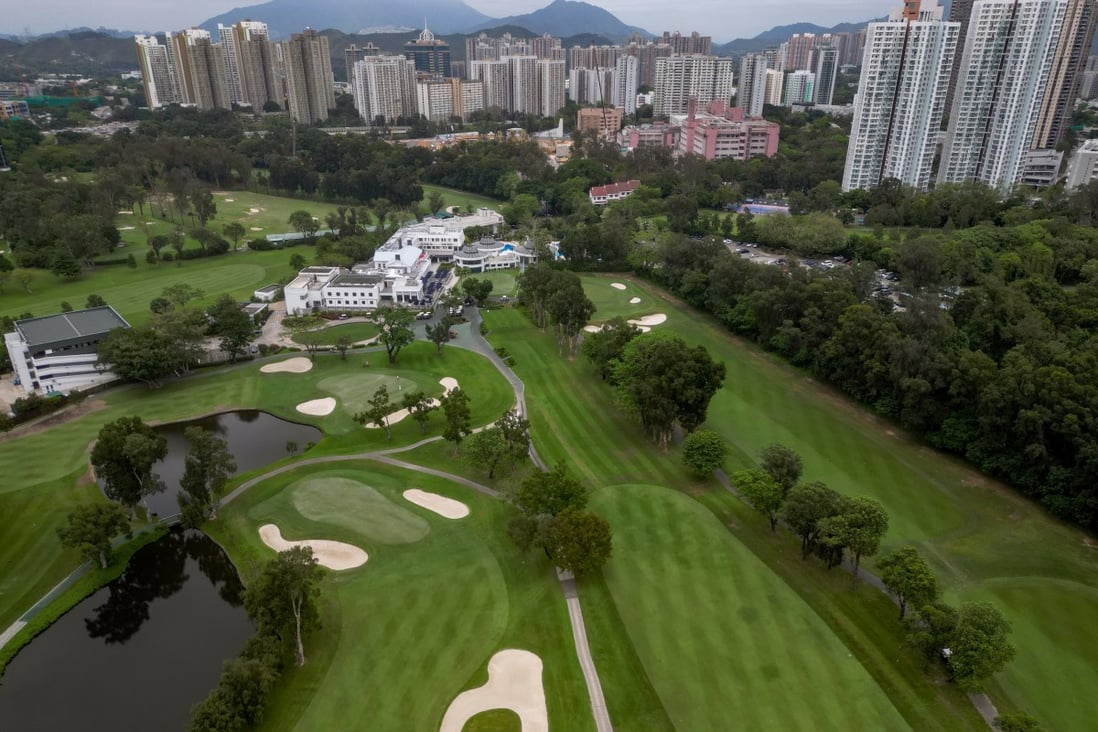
(448, 384)
(328, 553)
(443, 506)
(617, 285)
(296, 365)
(514, 682)
(650, 320)
(318, 407)
(592, 328)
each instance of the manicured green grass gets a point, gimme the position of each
(129, 291)
(978, 533)
(42, 469)
(575, 419)
(452, 197)
(611, 302)
(752, 643)
(357, 332)
(503, 281)
(494, 720)
(414, 626)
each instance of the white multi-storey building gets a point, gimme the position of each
(775, 81)
(827, 67)
(440, 101)
(901, 97)
(497, 85)
(522, 73)
(590, 86)
(800, 87)
(1083, 168)
(1001, 84)
(157, 72)
(384, 86)
(678, 78)
(626, 80)
(550, 86)
(751, 94)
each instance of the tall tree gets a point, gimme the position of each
(207, 469)
(232, 324)
(488, 449)
(783, 465)
(703, 451)
(140, 354)
(931, 630)
(579, 541)
(304, 224)
(516, 433)
(667, 383)
(283, 599)
(604, 348)
(805, 506)
(762, 492)
(439, 333)
(907, 576)
(569, 309)
(458, 417)
(91, 527)
(377, 411)
(396, 331)
(123, 458)
(235, 231)
(859, 527)
(420, 406)
(547, 493)
(981, 645)
(478, 289)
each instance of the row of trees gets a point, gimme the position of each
(971, 642)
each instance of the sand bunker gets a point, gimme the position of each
(256, 228)
(634, 301)
(126, 213)
(514, 682)
(649, 320)
(253, 210)
(448, 384)
(230, 200)
(297, 365)
(592, 328)
(443, 506)
(318, 407)
(617, 285)
(328, 553)
(125, 228)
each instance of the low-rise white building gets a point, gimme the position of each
(1083, 167)
(440, 238)
(488, 255)
(58, 353)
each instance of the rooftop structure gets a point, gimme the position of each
(59, 352)
(602, 195)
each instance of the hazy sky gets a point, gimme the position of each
(723, 19)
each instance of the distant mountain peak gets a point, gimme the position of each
(564, 18)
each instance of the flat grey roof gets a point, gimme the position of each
(66, 326)
(270, 288)
(358, 279)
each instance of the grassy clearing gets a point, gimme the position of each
(582, 425)
(452, 197)
(672, 558)
(357, 332)
(981, 536)
(414, 626)
(494, 720)
(611, 302)
(44, 469)
(503, 281)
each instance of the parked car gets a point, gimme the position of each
(343, 316)
(425, 315)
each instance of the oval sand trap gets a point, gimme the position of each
(514, 682)
(634, 301)
(592, 328)
(328, 553)
(650, 320)
(617, 285)
(296, 365)
(318, 407)
(443, 506)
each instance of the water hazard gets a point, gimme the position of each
(138, 653)
(255, 439)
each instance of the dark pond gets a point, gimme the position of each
(137, 654)
(255, 439)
